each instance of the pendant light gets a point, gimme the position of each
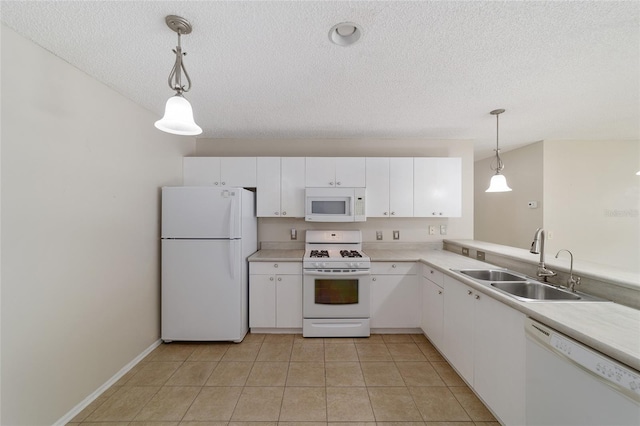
(498, 181)
(178, 114)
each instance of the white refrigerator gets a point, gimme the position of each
(207, 235)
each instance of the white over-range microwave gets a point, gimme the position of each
(335, 205)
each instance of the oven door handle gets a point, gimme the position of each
(338, 274)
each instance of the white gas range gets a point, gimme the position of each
(336, 285)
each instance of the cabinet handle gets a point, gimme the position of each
(477, 296)
(374, 279)
(338, 183)
(469, 292)
(215, 183)
(385, 213)
(279, 278)
(270, 278)
(393, 213)
(224, 183)
(440, 213)
(393, 266)
(284, 213)
(276, 213)
(439, 291)
(331, 183)
(275, 265)
(433, 214)
(431, 270)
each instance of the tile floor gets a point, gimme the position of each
(277, 379)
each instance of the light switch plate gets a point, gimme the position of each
(396, 235)
(443, 229)
(432, 230)
(378, 235)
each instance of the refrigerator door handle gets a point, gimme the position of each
(232, 258)
(232, 216)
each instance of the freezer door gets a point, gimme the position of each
(200, 212)
(203, 294)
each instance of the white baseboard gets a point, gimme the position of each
(89, 399)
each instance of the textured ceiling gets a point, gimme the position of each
(562, 70)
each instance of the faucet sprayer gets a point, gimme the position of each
(538, 247)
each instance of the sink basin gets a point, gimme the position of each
(492, 275)
(536, 291)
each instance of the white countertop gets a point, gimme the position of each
(608, 327)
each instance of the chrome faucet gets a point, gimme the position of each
(572, 282)
(538, 247)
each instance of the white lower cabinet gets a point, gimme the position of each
(395, 295)
(275, 295)
(484, 341)
(432, 304)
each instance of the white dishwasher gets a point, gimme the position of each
(571, 384)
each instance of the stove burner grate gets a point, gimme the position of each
(350, 253)
(319, 253)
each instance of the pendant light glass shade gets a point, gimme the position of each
(178, 118)
(498, 184)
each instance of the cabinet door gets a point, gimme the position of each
(268, 189)
(395, 301)
(238, 171)
(289, 301)
(457, 342)
(400, 187)
(499, 354)
(450, 186)
(320, 172)
(432, 311)
(377, 171)
(437, 190)
(201, 171)
(425, 187)
(262, 301)
(292, 186)
(350, 172)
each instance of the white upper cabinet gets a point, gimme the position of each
(280, 188)
(292, 186)
(437, 187)
(268, 189)
(389, 187)
(220, 171)
(329, 172)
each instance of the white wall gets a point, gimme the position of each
(411, 229)
(504, 217)
(81, 171)
(592, 200)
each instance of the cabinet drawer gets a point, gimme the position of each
(393, 268)
(282, 268)
(433, 275)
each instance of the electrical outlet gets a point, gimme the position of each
(480, 255)
(443, 229)
(465, 251)
(432, 230)
(294, 234)
(378, 235)
(550, 235)
(396, 235)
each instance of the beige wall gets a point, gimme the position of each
(504, 217)
(411, 229)
(81, 171)
(589, 200)
(592, 200)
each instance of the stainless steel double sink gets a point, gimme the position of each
(523, 288)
